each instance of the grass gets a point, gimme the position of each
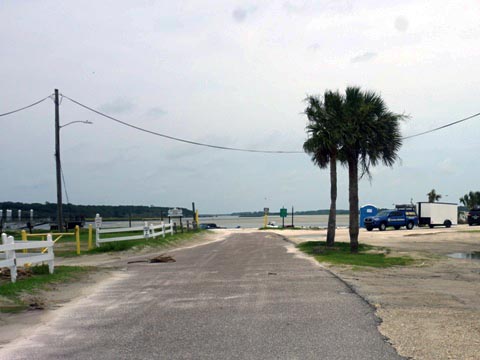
(368, 255)
(40, 279)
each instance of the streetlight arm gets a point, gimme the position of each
(76, 121)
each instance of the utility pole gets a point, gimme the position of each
(57, 163)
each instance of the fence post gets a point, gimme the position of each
(10, 254)
(90, 237)
(50, 252)
(24, 238)
(151, 231)
(163, 229)
(146, 230)
(77, 238)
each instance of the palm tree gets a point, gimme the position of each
(471, 200)
(323, 144)
(433, 196)
(371, 135)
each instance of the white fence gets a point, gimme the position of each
(149, 232)
(11, 259)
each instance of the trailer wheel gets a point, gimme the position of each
(382, 227)
(369, 228)
(430, 226)
(447, 223)
(409, 225)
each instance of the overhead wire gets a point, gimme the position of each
(441, 127)
(180, 139)
(25, 107)
(205, 144)
(64, 185)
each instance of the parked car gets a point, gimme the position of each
(401, 216)
(473, 216)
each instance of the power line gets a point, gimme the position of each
(179, 139)
(240, 149)
(25, 107)
(442, 127)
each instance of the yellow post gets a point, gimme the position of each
(77, 238)
(24, 238)
(90, 237)
(265, 220)
(196, 217)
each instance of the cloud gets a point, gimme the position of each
(118, 106)
(364, 57)
(315, 47)
(156, 112)
(447, 166)
(240, 14)
(314, 6)
(401, 24)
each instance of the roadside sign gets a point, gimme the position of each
(283, 212)
(175, 212)
(266, 210)
(98, 221)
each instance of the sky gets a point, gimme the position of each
(234, 74)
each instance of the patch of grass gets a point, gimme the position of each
(368, 255)
(39, 279)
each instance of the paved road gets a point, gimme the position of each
(247, 297)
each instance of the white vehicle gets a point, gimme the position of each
(437, 214)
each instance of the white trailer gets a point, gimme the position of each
(437, 214)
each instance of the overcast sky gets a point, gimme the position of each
(231, 73)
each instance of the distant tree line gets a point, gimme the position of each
(71, 211)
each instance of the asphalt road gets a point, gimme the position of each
(247, 297)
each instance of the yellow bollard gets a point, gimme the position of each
(196, 218)
(265, 220)
(24, 238)
(90, 237)
(77, 238)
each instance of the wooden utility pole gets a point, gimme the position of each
(57, 162)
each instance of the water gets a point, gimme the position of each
(475, 255)
(231, 222)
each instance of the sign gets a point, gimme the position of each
(175, 212)
(98, 221)
(265, 211)
(283, 212)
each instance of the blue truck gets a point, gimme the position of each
(396, 218)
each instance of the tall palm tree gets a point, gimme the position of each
(371, 136)
(471, 199)
(324, 142)
(433, 196)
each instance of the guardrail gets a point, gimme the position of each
(11, 259)
(148, 232)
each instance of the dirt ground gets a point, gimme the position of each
(429, 310)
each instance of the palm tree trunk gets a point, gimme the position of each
(332, 215)
(353, 200)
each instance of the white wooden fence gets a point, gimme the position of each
(149, 232)
(12, 259)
